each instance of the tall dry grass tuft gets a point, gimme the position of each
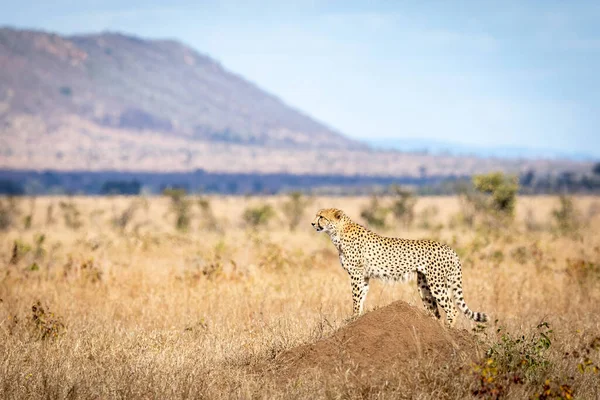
(140, 308)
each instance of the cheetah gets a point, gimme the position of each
(365, 254)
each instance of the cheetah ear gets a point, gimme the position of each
(337, 214)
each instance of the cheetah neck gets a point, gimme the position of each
(336, 234)
(335, 239)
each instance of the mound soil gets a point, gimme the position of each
(395, 335)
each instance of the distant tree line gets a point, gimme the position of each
(128, 183)
(564, 182)
(121, 187)
(11, 188)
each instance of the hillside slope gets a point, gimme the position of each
(114, 102)
(124, 82)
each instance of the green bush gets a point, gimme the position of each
(28, 219)
(50, 220)
(513, 359)
(208, 217)
(294, 208)
(9, 211)
(122, 220)
(174, 193)
(403, 205)
(500, 190)
(47, 324)
(524, 354)
(489, 200)
(180, 206)
(375, 214)
(426, 217)
(71, 214)
(566, 216)
(259, 215)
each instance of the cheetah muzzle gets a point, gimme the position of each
(365, 254)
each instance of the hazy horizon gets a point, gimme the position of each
(510, 76)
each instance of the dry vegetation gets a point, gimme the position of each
(171, 297)
(154, 151)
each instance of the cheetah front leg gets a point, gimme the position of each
(360, 288)
(428, 300)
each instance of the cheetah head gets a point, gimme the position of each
(327, 219)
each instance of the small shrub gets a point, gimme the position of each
(501, 192)
(214, 269)
(566, 216)
(403, 206)
(90, 271)
(274, 257)
(180, 206)
(199, 268)
(9, 212)
(375, 214)
(294, 208)
(584, 363)
(426, 217)
(208, 217)
(496, 256)
(122, 220)
(489, 201)
(524, 355)
(259, 215)
(121, 188)
(582, 271)
(19, 250)
(50, 220)
(174, 192)
(513, 360)
(71, 215)
(553, 390)
(38, 249)
(489, 382)
(28, 219)
(520, 254)
(531, 224)
(47, 325)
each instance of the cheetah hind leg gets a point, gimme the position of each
(429, 301)
(447, 304)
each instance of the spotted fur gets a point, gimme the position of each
(365, 254)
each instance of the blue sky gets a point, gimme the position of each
(521, 74)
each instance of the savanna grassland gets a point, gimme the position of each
(191, 297)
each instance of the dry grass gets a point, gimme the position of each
(127, 306)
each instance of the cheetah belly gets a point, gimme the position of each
(392, 263)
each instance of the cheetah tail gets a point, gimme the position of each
(462, 305)
(474, 315)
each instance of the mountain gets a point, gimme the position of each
(114, 102)
(125, 82)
